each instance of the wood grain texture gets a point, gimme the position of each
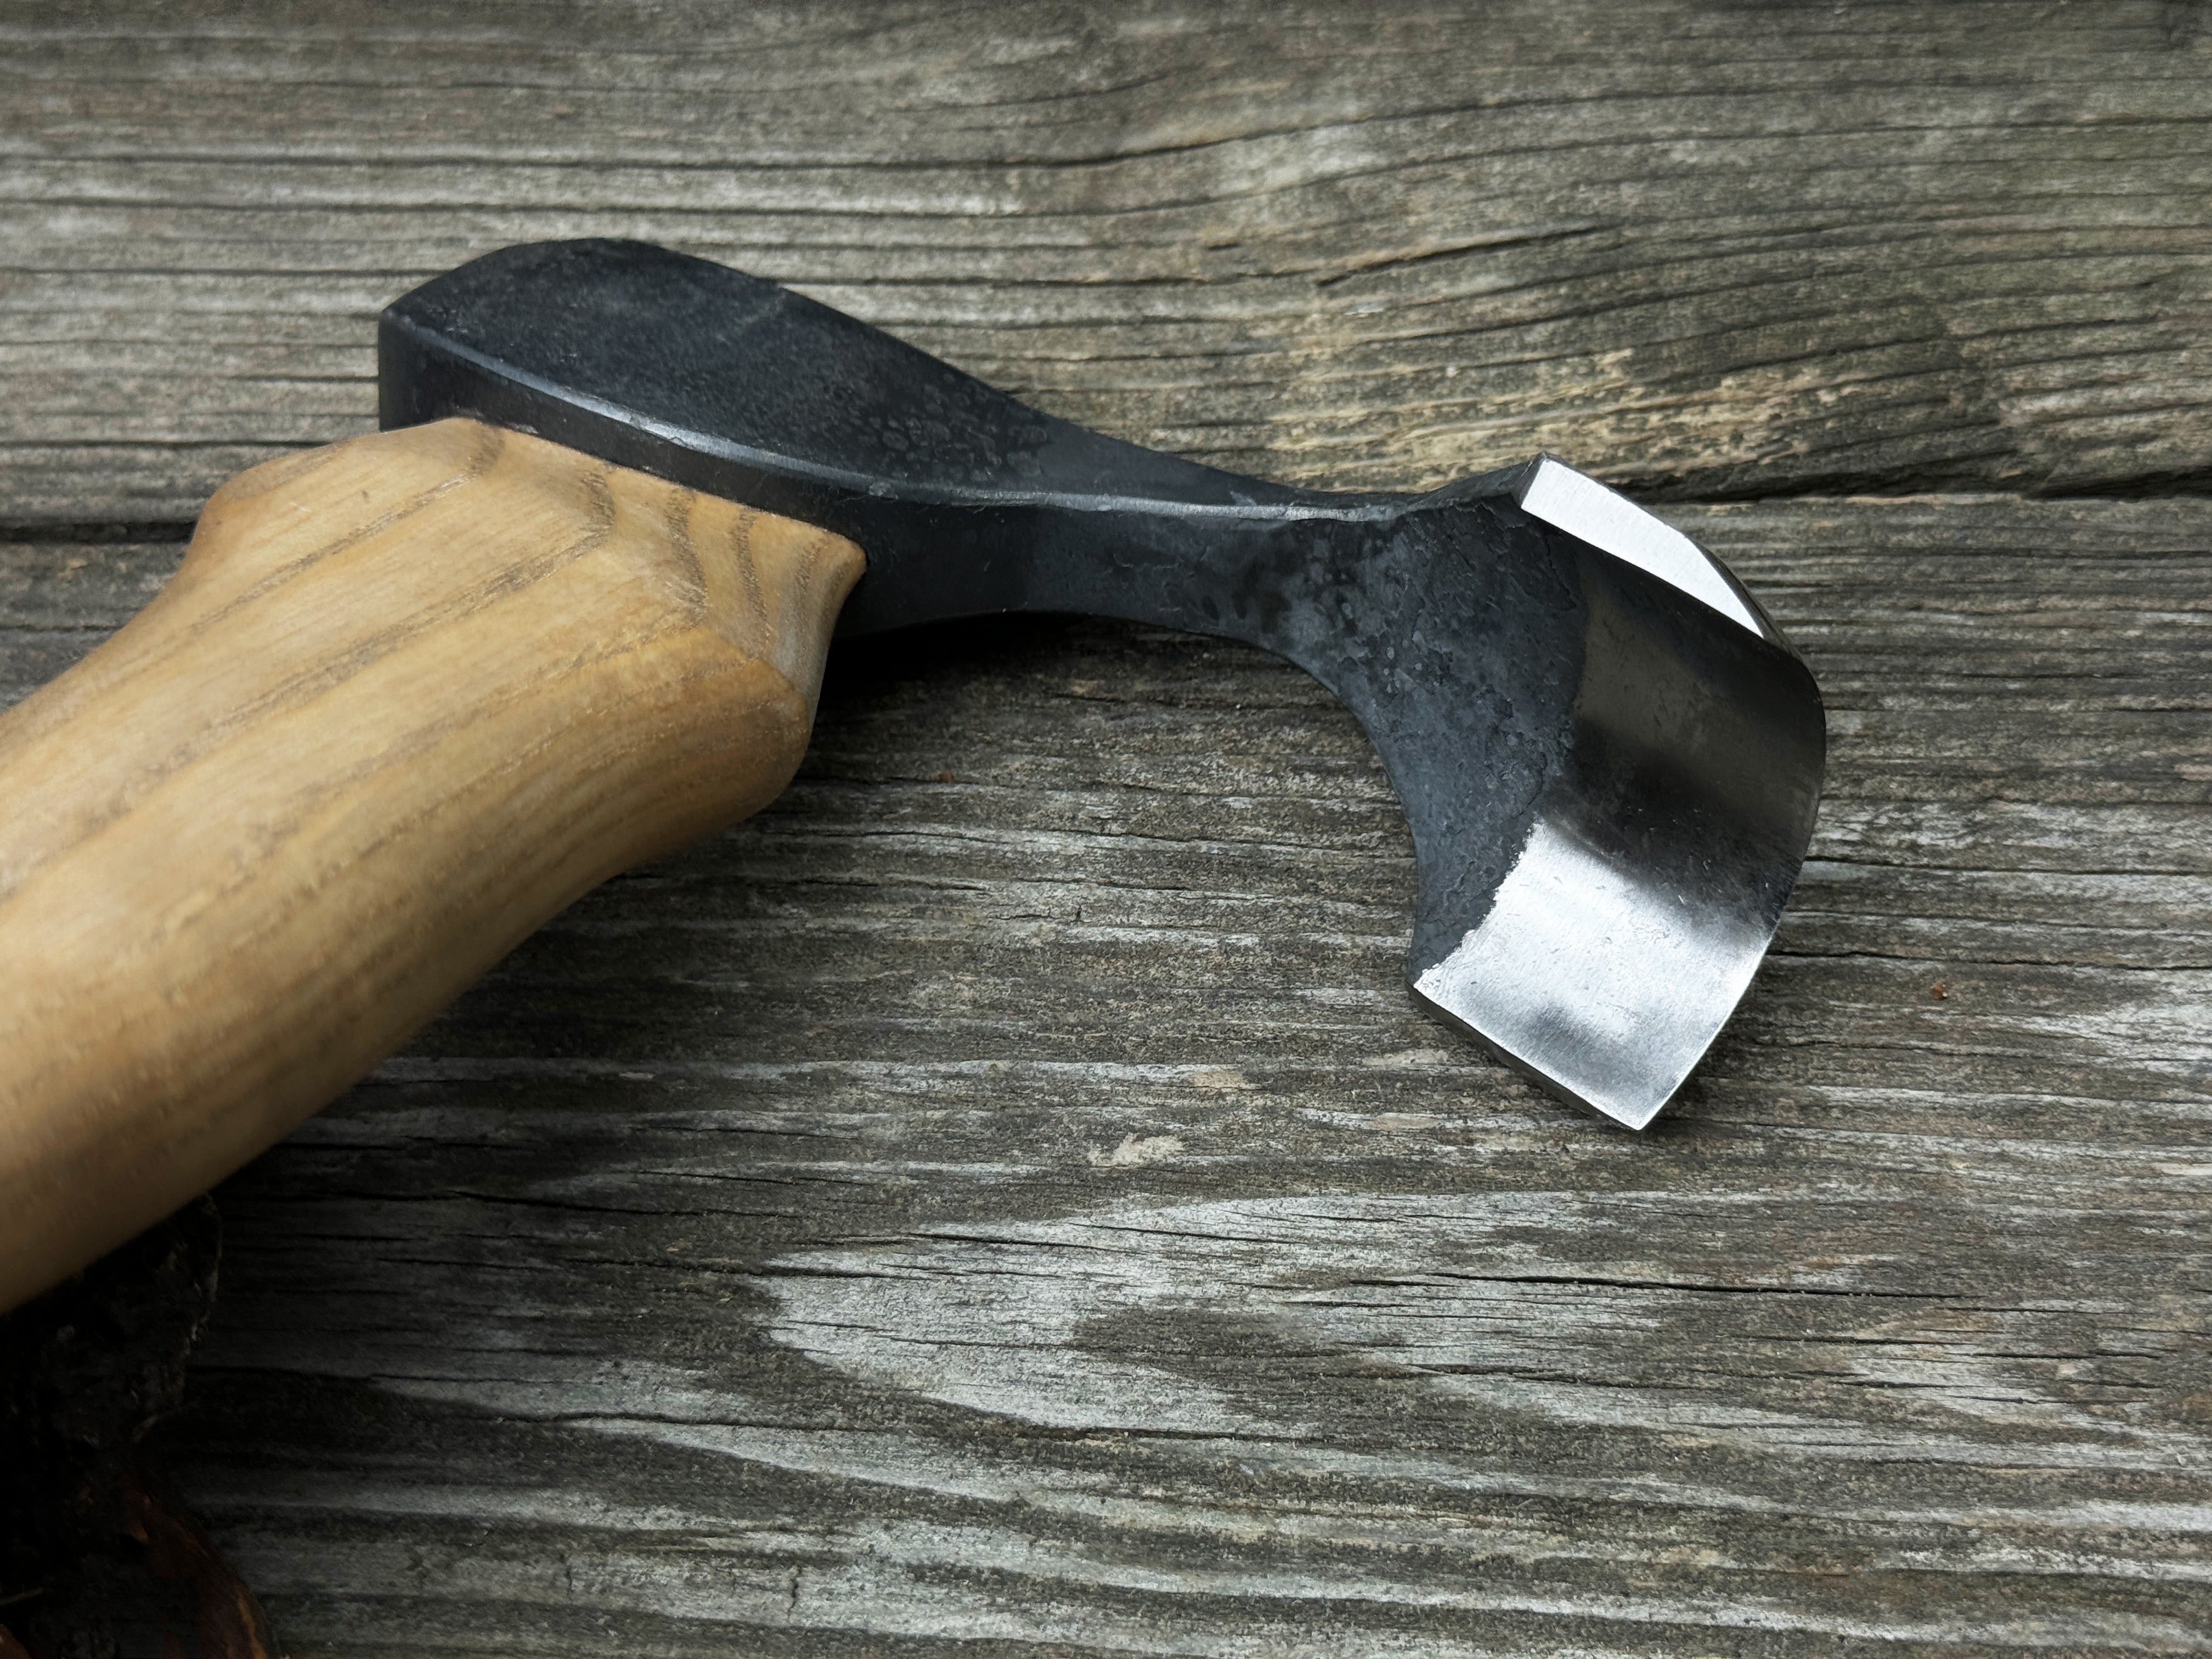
(1726, 250)
(405, 698)
(1001, 1199)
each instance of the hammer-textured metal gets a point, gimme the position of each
(1609, 757)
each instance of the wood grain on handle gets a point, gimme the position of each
(406, 698)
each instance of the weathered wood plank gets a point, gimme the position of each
(1080, 1245)
(1732, 251)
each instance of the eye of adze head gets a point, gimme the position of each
(1610, 759)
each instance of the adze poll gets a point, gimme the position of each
(408, 695)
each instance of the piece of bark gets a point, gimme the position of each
(85, 1371)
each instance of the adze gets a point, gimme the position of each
(408, 695)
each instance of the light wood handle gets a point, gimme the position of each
(406, 697)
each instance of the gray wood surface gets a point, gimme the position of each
(1002, 1201)
(1718, 250)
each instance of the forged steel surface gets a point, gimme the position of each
(1609, 758)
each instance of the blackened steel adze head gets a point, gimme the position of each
(1610, 758)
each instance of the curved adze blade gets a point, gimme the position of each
(1609, 757)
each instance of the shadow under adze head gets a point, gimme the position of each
(1610, 759)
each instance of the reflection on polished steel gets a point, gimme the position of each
(1610, 522)
(1659, 856)
(1604, 982)
(1608, 757)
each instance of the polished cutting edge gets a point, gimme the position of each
(1609, 961)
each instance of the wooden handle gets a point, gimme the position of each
(406, 698)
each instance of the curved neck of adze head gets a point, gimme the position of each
(1609, 757)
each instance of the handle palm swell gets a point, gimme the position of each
(406, 698)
